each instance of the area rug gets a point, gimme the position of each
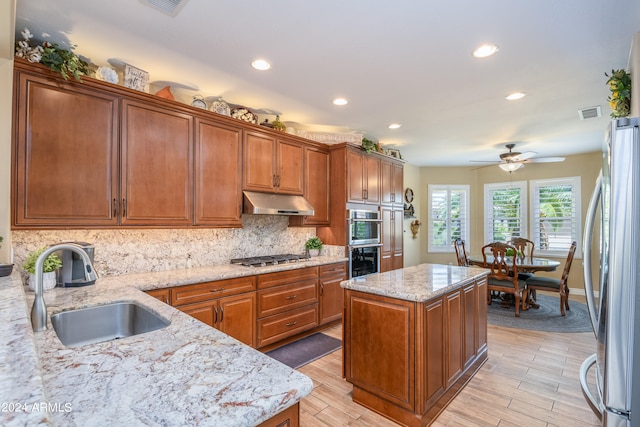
(306, 350)
(547, 318)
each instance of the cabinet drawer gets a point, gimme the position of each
(280, 326)
(331, 269)
(188, 294)
(285, 277)
(286, 297)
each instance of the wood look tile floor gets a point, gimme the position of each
(530, 379)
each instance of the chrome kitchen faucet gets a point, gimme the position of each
(39, 308)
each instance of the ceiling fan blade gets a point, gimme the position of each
(523, 156)
(545, 160)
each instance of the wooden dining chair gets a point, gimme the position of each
(539, 283)
(504, 273)
(523, 245)
(461, 253)
(526, 248)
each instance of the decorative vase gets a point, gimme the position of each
(48, 281)
(314, 252)
(165, 93)
(5, 269)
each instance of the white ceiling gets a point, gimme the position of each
(404, 61)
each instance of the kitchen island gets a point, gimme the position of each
(413, 337)
(187, 373)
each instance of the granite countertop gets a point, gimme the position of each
(185, 374)
(418, 283)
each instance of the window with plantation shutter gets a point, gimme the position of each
(505, 209)
(555, 215)
(448, 216)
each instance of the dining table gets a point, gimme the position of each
(525, 264)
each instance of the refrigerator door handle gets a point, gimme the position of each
(586, 252)
(594, 401)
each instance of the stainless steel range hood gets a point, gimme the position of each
(275, 204)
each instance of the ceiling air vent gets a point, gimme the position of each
(170, 7)
(590, 113)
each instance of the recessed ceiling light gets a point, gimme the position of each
(394, 125)
(515, 95)
(340, 101)
(485, 50)
(261, 64)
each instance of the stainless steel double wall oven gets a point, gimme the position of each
(364, 232)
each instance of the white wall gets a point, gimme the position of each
(634, 69)
(411, 245)
(7, 24)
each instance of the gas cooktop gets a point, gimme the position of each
(263, 261)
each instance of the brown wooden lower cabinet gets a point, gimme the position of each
(287, 303)
(407, 360)
(290, 417)
(330, 292)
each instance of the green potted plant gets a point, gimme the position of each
(620, 99)
(51, 264)
(313, 245)
(5, 269)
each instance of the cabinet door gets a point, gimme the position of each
(434, 356)
(161, 294)
(156, 166)
(391, 257)
(397, 188)
(398, 238)
(331, 297)
(481, 298)
(372, 176)
(386, 183)
(259, 162)
(470, 320)
(65, 154)
(218, 174)
(206, 312)
(387, 239)
(316, 188)
(290, 176)
(355, 177)
(454, 336)
(238, 317)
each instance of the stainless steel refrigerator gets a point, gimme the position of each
(615, 315)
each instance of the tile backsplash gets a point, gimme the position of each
(122, 251)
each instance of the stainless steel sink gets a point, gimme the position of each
(104, 323)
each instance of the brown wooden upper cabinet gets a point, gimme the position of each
(272, 165)
(218, 174)
(156, 165)
(66, 154)
(392, 181)
(316, 188)
(363, 177)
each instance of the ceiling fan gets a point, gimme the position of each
(513, 160)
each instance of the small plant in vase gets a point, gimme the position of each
(5, 269)
(51, 264)
(313, 246)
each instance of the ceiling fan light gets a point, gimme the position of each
(485, 50)
(510, 167)
(515, 96)
(340, 101)
(261, 65)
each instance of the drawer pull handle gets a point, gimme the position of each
(292, 323)
(216, 290)
(291, 297)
